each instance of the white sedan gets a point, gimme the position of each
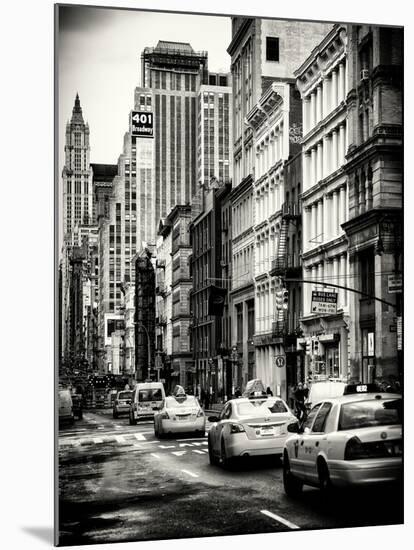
(354, 440)
(180, 414)
(249, 427)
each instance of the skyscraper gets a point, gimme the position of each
(78, 205)
(173, 71)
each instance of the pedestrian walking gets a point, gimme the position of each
(237, 393)
(269, 391)
(300, 396)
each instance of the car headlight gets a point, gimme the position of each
(236, 428)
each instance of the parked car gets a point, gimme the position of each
(353, 440)
(77, 406)
(180, 414)
(121, 403)
(147, 398)
(249, 427)
(65, 407)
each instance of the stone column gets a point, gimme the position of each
(325, 156)
(320, 273)
(315, 222)
(335, 279)
(324, 98)
(305, 170)
(326, 215)
(318, 103)
(305, 114)
(312, 167)
(334, 151)
(312, 117)
(343, 215)
(342, 270)
(341, 82)
(305, 228)
(319, 171)
(341, 145)
(334, 218)
(334, 90)
(319, 210)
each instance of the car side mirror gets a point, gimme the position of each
(294, 428)
(213, 418)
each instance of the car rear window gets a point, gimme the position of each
(254, 406)
(150, 395)
(125, 395)
(366, 414)
(189, 401)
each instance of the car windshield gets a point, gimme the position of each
(172, 402)
(260, 406)
(124, 395)
(365, 414)
(150, 395)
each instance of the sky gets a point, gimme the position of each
(99, 57)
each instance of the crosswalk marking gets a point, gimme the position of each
(178, 453)
(197, 451)
(140, 437)
(166, 446)
(120, 438)
(97, 440)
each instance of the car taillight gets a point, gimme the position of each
(236, 428)
(354, 449)
(200, 413)
(165, 416)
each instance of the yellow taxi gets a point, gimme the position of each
(254, 425)
(180, 413)
(353, 440)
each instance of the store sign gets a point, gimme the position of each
(399, 333)
(394, 283)
(142, 124)
(324, 302)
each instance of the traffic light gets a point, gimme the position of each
(308, 346)
(282, 298)
(316, 347)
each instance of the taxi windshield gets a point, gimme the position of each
(172, 402)
(366, 414)
(150, 395)
(260, 406)
(125, 395)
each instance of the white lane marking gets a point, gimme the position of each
(189, 439)
(97, 440)
(178, 453)
(197, 451)
(156, 456)
(280, 520)
(166, 446)
(185, 445)
(120, 438)
(190, 473)
(140, 437)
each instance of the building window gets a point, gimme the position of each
(272, 48)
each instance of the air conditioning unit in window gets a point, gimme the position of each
(364, 74)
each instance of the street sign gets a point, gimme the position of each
(280, 361)
(324, 302)
(399, 333)
(394, 284)
(142, 124)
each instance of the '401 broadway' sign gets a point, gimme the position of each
(142, 124)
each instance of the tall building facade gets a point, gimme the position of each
(125, 222)
(214, 136)
(322, 82)
(276, 121)
(174, 72)
(78, 203)
(262, 51)
(373, 228)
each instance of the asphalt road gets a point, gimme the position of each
(120, 483)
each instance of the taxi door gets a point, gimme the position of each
(301, 445)
(313, 443)
(217, 428)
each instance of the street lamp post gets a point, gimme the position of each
(148, 346)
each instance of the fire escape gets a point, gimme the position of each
(286, 264)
